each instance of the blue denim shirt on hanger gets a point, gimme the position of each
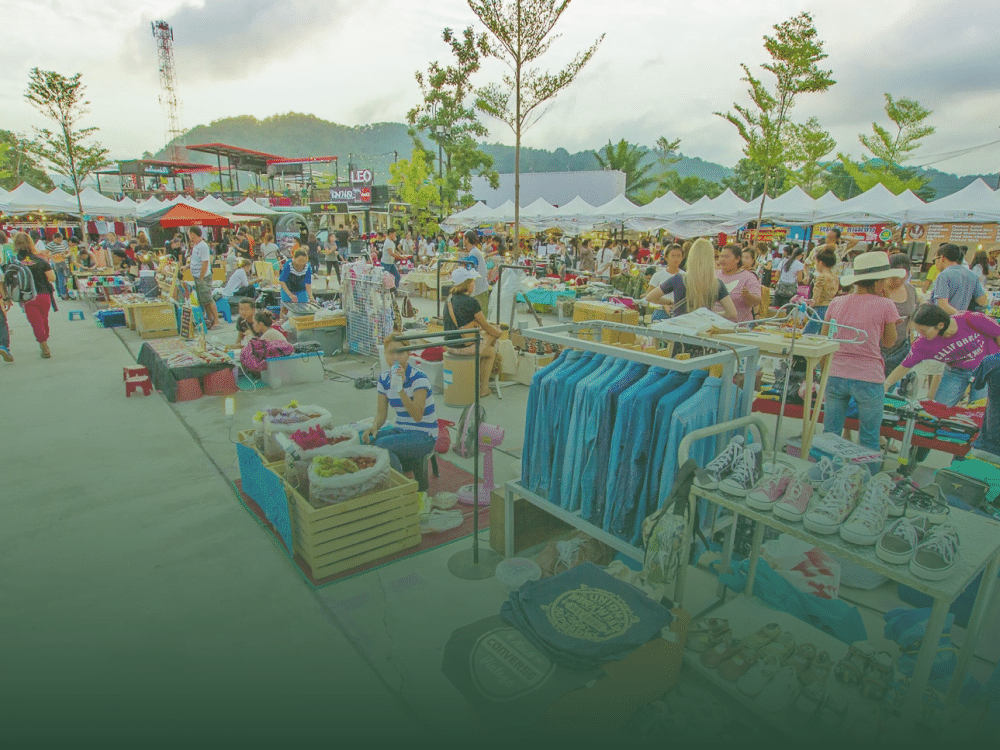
(542, 438)
(552, 388)
(588, 426)
(530, 427)
(701, 410)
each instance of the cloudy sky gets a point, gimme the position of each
(663, 68)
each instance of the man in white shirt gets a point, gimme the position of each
(482, 289)
(390, 256)
(201, 272)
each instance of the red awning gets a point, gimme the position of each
(189, 216)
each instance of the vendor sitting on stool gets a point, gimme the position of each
(296, 280)
(408, 391)
(464, 311)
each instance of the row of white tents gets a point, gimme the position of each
(25, 199)
(977, 204)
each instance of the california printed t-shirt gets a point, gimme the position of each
(974, 340)
(871, 314)
(414, 380)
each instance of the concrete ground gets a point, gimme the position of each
(137, 590)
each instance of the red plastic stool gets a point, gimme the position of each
(220, 383)
(134, 372)
(188, 390)
(134, 384)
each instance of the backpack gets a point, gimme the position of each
(464, 445)
(19, 282)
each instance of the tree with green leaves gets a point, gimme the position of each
(795, 52)
(449, 120)
(809, 144)
(17, 164)
(61, 100)
(414, 181)
(747, 179)
(890, 147)
(520, 32)
(632, 160)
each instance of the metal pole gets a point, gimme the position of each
(475, 459)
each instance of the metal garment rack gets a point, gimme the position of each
(565, 335)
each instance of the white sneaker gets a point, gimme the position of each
(770, 489)
(935, 557)
(867, 522)
(841, 497)
(824, 470)
(826, 484)
(721, 466)
(746, 472)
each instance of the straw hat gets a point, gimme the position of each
(871, 266)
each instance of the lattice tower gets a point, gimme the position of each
(164, 36)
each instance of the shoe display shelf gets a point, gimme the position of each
(818, 353)
(746, 616)
(979, 551)
(729, 358)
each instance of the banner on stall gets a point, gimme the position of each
(979, 235)
(767, 234)
(859, 232)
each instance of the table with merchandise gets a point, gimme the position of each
(172, 360)
(973, 542)
(150, 318)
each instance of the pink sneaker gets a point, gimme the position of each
(795, 502)
(770, 489)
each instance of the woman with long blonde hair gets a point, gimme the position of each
(696, 289)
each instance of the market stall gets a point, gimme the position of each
(177, 368)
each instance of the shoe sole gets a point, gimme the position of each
(736, 491)
(818, 528)
(865, 540)
(893, 558)
(929, 574)
(7, 357)
(932, 518)
(764, 504)
(709, 485)
(788, 513)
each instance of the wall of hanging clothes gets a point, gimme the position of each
(602, 430)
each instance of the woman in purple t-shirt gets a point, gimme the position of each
(960, 341)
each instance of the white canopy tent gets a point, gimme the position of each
(466, 218)
(977, 203)
(25, 198)
(538, 215)
(96, 204)
(872, 206)
(251, 208)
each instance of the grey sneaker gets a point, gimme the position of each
(746, 472)
(935, 557)
(721, 466)
(867, 522)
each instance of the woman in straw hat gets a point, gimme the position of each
(464, 311)
(858, 370)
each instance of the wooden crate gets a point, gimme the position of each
(305, 322)
(531, 525)
(334, 538)
(155, 321)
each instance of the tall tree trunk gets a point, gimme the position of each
(763, 197)
(517, 143)
(76, 185)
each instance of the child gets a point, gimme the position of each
(825, 287)
(408, 391)
(858, 369)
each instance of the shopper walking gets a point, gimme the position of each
(201, 272)
(825, 287)
(858, 370)
(5, 305)
(481, 289)
(313, 244)
(792, 274)
(956, 287)
(37, 308)
(390, 256)
(904, 297)
(59, 259)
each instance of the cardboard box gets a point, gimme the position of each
(532, 525)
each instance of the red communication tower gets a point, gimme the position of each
(164, 36)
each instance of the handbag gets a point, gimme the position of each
(786, 289)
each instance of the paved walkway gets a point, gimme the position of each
(136, 594)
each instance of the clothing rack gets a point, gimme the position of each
(733, 358)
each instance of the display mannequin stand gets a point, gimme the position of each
(472, 564)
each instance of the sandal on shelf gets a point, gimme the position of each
(763, 636)
(801, 658)
(876, 681)
(819, 670)
(780, 648)
(721, 652)
(833, 712)
(738, 665)
(852, 667)
(706, 633)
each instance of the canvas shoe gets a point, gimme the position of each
(841, 497)
(825, 486)
(824, 470)
(770, 489)
(928, 503)
(901, 540)
(867, 522)
(935, 557)
(721, 466)
(746, 472)
(5, 353)
(795, 502)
